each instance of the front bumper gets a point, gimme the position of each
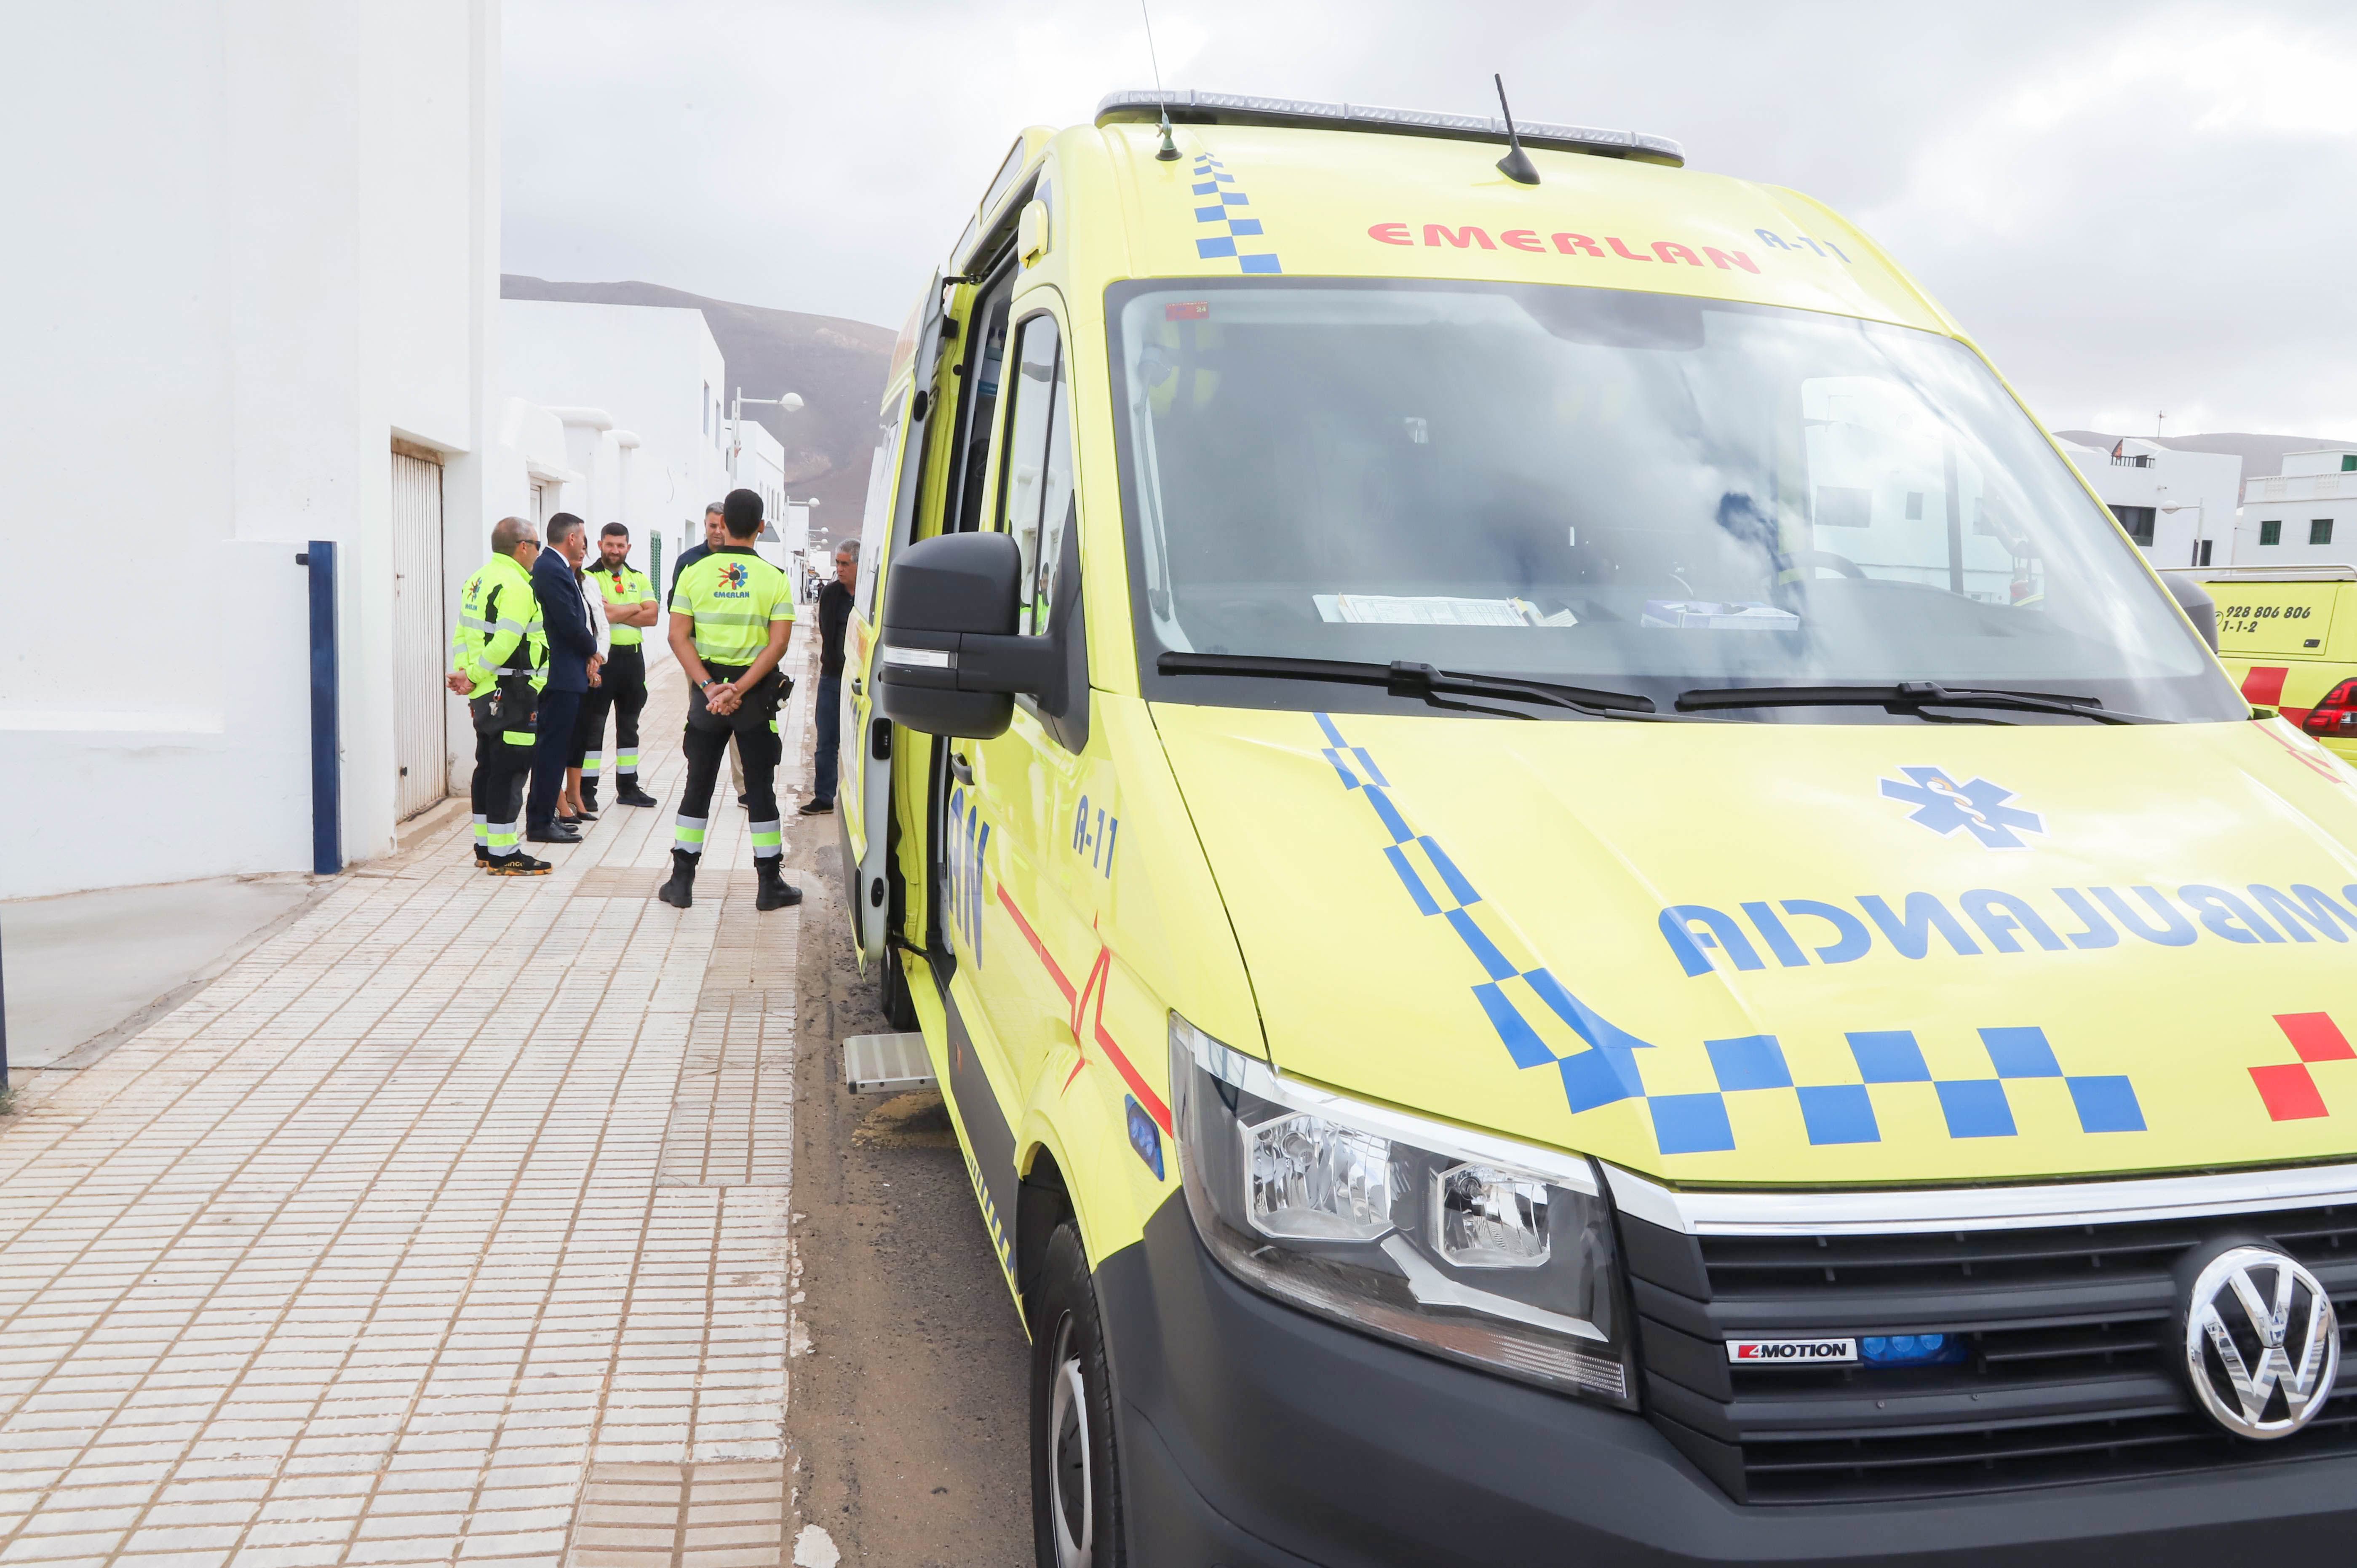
(1254, 1436)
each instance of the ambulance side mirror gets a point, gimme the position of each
(951, 662)
(2195, 601)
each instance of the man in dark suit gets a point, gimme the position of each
(571, 665)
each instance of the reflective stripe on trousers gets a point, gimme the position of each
(687, 833)
(768, 839)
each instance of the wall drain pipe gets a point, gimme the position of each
(326, 761)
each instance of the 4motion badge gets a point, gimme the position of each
(1791, 1352)
(2261, 1343)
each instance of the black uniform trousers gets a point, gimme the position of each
(705, 744)
(502, 766)
(622, 687)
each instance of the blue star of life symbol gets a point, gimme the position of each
(1943, 805)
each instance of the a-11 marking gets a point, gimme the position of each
(1094, 836)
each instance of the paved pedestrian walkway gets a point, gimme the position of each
(448, 1225)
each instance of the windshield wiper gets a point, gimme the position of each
(1905, 697)
(1403, 678)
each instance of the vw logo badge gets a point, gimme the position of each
(2261, 1342)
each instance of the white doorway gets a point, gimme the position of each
(420, 711)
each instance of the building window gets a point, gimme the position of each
(2349, 462)
(2271, 532)
(2201, 551)
(2319, 531)
(2138, 520)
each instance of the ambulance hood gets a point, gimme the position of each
(1788, 953)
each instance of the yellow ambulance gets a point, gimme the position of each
(2289, 637)
(1577, 904)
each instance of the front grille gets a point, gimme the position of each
(2072, 1371)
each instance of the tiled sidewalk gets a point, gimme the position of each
(450, 1224)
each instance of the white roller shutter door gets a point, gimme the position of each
(419, 635)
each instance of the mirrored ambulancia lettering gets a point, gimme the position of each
(1798, 933)
(969, 837)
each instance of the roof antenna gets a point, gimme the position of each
(1516, 165)
(1168, 152)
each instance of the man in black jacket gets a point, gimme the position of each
(833, 619)
(572, 665)
(715, 536)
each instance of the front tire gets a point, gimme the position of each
(1076, 1509)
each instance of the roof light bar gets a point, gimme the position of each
(1190, 107)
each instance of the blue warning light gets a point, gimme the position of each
(1912, 1349)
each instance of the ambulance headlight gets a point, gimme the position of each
(1483, 1218)
(1477, 1249)
(1317, 1180)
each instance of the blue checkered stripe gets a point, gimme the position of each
(1523, 1001)
(1526, 1004)
(1220, 225)
(1845, 1113)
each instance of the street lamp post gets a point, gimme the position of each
(2201, 527)
(811, 534)
(790, 403)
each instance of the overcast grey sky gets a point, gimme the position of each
(2132, 207)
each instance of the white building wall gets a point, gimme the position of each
(269, 231)
(2314, 486)
(653, 374)
(795, 531)
(2192, 494)
(761, 468)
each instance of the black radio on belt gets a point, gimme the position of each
(510, 705)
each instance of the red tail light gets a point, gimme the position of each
(2336, 715)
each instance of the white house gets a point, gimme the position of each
(2304, 516)
(2178, 505)
(637, 389)
(270, 233)
(760, 467)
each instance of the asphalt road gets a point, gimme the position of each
(907, 1409)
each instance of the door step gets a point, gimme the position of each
(886, 1064)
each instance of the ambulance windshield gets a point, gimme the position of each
(1640, 492)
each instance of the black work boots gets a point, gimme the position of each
(680, 891)
(628, 793)
(775, 892)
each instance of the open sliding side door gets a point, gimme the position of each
(865, 795)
